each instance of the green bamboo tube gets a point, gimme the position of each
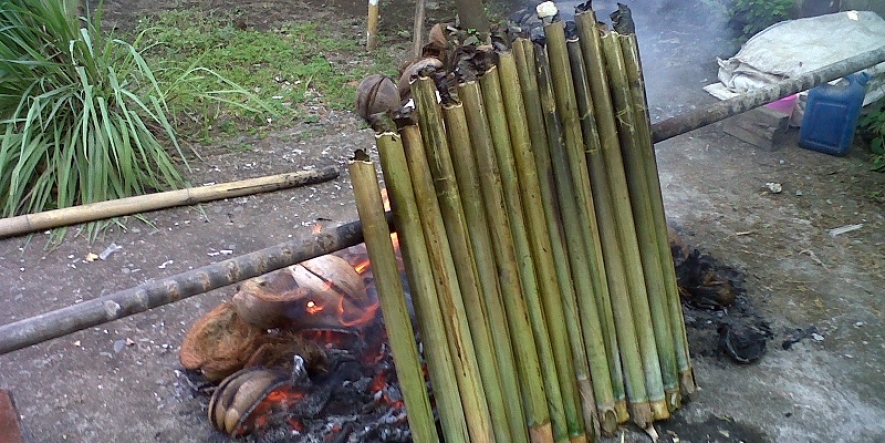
(594, 65)
(551, 302)
(480, 239)
(398, 323)
(543, 401)
(637, 184)
(629, 244)
(549, 248)
(454, 311)
(643, 129)
(422, 287)
(447, 192)
(614, 264)
(525, 60)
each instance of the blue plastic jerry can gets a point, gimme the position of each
(831, 115)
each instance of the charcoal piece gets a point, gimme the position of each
(798, 335)
(743, 345)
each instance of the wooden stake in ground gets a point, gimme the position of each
(392, 299)
(418, 29)
(372, 26)
(478, 227)
(24, 224)
(643, 129)
(510, 263)
(465, 359)
(422, 287)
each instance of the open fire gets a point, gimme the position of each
(301, 355)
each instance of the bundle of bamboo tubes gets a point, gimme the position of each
(526, 196)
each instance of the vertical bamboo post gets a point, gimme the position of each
(551, 302)
(472, 391)
(643, 126)
(372, 26)
(392, 298)
(518, 310)
(431, 323)
(480, 239)
(448, 194)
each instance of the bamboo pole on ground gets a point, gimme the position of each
(480, 239)
(637, 184)
(547, 232)
(372, 26)
(392, 299)
(518, 313)
(590, 261)
(422, 288)
(626, 228)
(466, 361)
(643, 127)
(447, 192)
(552, 305)
(622, 312)
(24, 224)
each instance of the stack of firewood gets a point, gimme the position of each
(525, 193)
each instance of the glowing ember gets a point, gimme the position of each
(350, 394)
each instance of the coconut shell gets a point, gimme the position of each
(377, 93)
(411, 72)
(219, 343)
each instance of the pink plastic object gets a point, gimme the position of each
(784, 105)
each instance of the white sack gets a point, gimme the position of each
(791, 48)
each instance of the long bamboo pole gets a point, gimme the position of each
(156, 293)
(422, 287)
(392, 298)
(372, 25)
(643, 129)
(478, 227)
(521, 293)
(688, 122)
(24, 224)
(472, 391)
(490, 86)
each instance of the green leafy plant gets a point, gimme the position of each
(873, 126)
(83, 117)
(752, 16)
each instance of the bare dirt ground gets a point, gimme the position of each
(95, 386)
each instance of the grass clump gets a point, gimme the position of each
(83, 116)
(300, 69)
(80, 113)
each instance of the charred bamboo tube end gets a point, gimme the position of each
(641, 414)
(541, 433)
(659, 409)
(687, 382)
(622, 412)
(609, 418)
(673, 398)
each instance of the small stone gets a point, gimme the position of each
(119, 345)
(817, 337)
(798, 193)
